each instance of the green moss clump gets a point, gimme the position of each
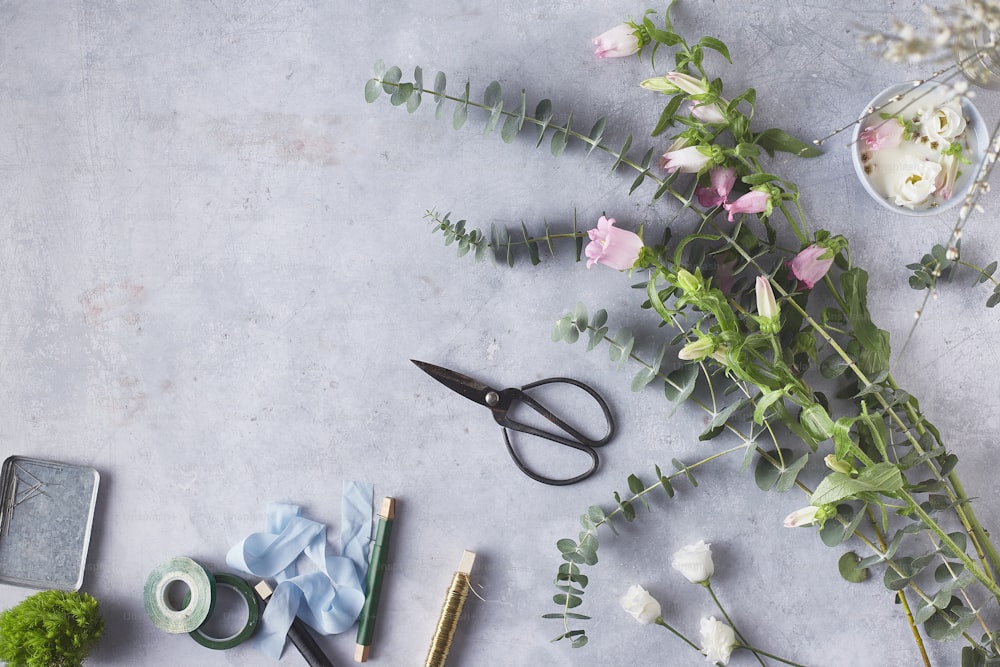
(50, 629)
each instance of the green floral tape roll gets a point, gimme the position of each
(166, 613)
(253, 615)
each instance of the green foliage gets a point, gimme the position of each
(941, 263)
(849, 570)
(50, 629)
(570, 582)
(504, 245)
(778, 140)
(561, 134)
(880, 478)
(778, 470)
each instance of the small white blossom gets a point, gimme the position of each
(717, 640)
(695, 562)
(641, 605)
(914, 182)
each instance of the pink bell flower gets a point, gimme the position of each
(722, 180)
(810, 265)
(688, 160)
(710, 114)
(886, 134)
(617, 248)
(755, 201)
(619, 42)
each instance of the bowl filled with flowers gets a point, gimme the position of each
(918, 146)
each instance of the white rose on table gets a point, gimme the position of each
(695, 562)
(943, 124)
(717, 639)
(643, 606)
(913, 181)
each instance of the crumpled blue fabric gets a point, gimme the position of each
(329, 598)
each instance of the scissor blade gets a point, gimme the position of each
(473, 390)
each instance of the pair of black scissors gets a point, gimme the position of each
(502, 401)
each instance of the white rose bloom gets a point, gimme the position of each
(717, 640)
(643, 606)
(695, 562)
(913, 182)
(943, 124)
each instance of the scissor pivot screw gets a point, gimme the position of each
(492, 398)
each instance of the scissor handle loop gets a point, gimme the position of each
(509, 396)
(595, 461)
(577, 440)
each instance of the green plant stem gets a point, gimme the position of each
(901, 594)
(708, 585)
(663, 624)
(969, 564)
(984, 542)
(979, 270)
(985, 549)
(757, 651)
(914, 629)
(965, 594)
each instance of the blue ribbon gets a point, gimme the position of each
(330, 598)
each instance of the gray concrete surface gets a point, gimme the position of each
(214, 270)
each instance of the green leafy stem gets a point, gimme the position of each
(389, 81)
(935, 610)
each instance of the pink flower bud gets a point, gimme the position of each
(801, 517)
(618, 42)
(688, 160)
(886, 134)
(768, 314)
(687, 83)
(710, 114)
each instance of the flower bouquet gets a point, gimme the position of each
(769, 321)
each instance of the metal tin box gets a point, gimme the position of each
(46, 515)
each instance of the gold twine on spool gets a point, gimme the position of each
(447, 623)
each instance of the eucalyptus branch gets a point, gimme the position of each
(500, 240)
(389, 81)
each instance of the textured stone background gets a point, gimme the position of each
(214, 269)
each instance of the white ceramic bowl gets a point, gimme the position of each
(979, 142)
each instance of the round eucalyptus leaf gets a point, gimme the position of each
(849, 569)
